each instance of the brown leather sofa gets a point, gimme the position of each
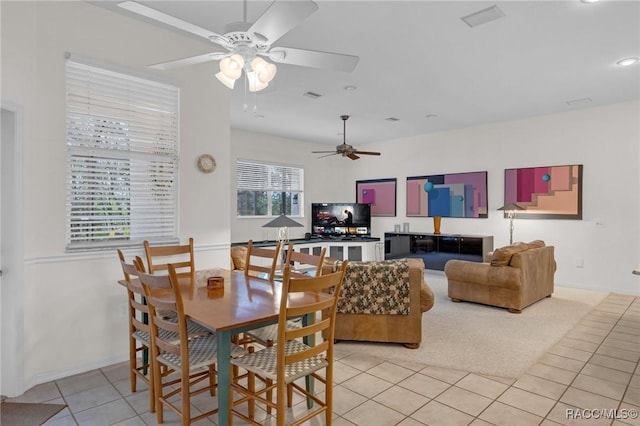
(514, 277)
(400, 321)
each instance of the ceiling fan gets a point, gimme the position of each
(344, 149)
(246, 42)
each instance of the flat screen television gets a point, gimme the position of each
(340, 219)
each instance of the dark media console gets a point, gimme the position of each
(436, 249)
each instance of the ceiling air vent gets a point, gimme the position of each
(579, 102)
(312, 95)
(483, 16)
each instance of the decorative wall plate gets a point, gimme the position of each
(206, 163)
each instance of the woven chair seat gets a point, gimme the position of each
(168, 314)
(143, 336)
(203, 351)
(193, 329)
(269, 333)
(264, 362)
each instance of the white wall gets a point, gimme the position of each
(73, 318)
(325, 179)
(605, 140)
(71, 302)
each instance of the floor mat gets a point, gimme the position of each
(27, 414)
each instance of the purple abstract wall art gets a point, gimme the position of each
(448, 195)
(380, 193)
(546, 192)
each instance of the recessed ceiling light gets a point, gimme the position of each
(431, 116)
(312, 95)
(589, 1)
(392, 119)
(350, 88)
(627, 61)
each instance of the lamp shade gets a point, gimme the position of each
(258, 71)
(229, 82)
(231, 66)
(511, 207)
(282, 221)
(264, 70)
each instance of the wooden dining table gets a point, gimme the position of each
(244, 303)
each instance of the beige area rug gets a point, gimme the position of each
(484, 339)
(27, 414)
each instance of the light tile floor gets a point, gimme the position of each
(590, 377)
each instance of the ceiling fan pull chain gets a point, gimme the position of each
(245, 106)
(255, 102)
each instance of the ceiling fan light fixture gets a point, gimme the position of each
(255, 85)
(229, 82)
(265, 71)
(231, 67)
(244, 40)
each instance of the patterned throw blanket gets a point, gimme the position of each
(379, 287)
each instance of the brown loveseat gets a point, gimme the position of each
(514, 277)
(383, 301)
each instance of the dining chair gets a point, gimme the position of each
(300, 268)
(301, 263)
(297, 355)
(139, 330)
(261, 260)
(254, 265)
(187, 361)
(180, 256)
(139, 341)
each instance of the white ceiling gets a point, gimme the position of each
(419, 58)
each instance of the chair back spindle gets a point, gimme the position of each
(257, 257)
(180, 256)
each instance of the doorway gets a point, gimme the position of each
(11, 253)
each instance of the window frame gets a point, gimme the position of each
(294, 185)
(123, 132)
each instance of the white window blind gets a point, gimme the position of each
(255, 176)
(122, 158)
(265, 189)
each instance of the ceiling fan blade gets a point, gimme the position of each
(366, 152)
(212, 56)
(328, 155)
(322, 152)
(352, 156)
(314, 58)
(280, 18)
(164, 18)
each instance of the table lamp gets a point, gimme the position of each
(511, 210)
(283, 222)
